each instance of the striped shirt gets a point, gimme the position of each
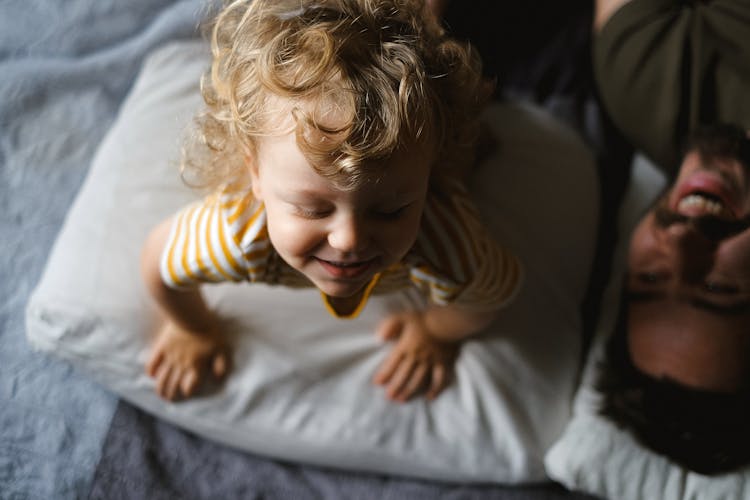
(453, 261)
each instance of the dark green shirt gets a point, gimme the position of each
(664, 67)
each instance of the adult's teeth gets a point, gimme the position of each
(706, 205)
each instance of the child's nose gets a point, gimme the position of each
(349, 234)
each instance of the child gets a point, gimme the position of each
(335, 135)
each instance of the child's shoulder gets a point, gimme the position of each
(447, 190)
(242, 214)
(228, 196)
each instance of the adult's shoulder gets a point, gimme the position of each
(663, 67)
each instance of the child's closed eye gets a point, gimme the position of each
(392, 213)
(312, 212)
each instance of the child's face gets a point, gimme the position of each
(339, 239)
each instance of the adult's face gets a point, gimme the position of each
(689, 279)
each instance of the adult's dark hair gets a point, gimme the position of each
(707, 432)
(722, 140)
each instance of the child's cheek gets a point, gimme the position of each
(294, 236)
(407, 232)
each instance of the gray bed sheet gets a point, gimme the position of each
(65, 67)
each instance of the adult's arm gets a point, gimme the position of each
(664, 67)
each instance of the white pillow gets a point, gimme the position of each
(593, 455)
(300, 389)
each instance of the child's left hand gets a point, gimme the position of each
(418, 362)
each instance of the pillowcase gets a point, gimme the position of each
(300, 389)
(593, 455)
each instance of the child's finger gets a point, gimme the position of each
(172, 386)
(154, 363)
(390, 328)
(219, 365)
(189, 382)
(386, 370)
(400, 378)
(438, 381)
(162, 377)
(167, 385)
(415, 383)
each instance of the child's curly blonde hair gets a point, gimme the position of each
(383, 68)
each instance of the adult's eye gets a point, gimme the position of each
(649, 277)
(721, 288)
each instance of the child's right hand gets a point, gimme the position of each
(181, 360)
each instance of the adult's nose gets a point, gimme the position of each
(690, 251)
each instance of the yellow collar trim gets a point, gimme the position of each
(362, 302)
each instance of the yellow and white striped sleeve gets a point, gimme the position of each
(221, 238)
(457, 260)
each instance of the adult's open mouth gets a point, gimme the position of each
(705, 193)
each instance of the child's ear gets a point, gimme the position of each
(252, 167)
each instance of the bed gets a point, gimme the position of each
(66, 71)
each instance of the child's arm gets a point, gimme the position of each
(189, 345)
(426, 348)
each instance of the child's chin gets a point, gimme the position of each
(340, 290)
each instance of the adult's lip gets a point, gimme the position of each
(706, 193)
(347, 269)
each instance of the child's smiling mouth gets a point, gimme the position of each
(347, 270)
